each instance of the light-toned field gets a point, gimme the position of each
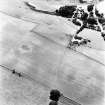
(35, 45)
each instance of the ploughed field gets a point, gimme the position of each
(34, 44)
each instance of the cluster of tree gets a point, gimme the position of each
(54, 97)
(66, 11)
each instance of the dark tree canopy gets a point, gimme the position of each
(66, 11)
(53, 103)
(90, 7)
(84, 16)
(92, 21)
(82, 1)
(55, 95)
